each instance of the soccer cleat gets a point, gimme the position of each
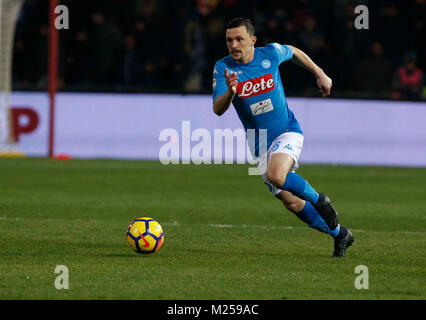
(327, 211)
(341, 244)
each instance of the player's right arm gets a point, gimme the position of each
(228, 83)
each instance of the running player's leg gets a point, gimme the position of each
(278, 168)
(281, 164)
(306, 212)
(279, 175)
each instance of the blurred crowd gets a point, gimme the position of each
(171, 45)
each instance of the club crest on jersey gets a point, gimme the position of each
(266, 64)
(256, 86)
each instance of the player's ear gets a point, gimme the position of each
(253, 40)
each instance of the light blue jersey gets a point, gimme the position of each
(260, 100)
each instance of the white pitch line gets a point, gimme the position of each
(175, 223)
(254, 226)
(10, 219)
(211, 225)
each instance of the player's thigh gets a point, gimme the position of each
(279, 164)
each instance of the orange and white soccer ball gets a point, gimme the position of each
(145, 235)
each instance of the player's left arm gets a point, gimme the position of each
(300, 58)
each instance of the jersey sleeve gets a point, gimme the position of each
(283, 51)
(219, 81)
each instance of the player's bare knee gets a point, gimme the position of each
(276, 179)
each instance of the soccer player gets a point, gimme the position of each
(249, 78)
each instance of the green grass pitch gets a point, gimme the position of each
(226, 237)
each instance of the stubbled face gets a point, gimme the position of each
(240, 44)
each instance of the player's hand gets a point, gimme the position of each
(231, 81)
(324, 83)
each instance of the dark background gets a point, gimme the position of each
(170, 46)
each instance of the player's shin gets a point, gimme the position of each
(300, 187)
(310, 216)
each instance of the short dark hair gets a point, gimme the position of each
(239, 22)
